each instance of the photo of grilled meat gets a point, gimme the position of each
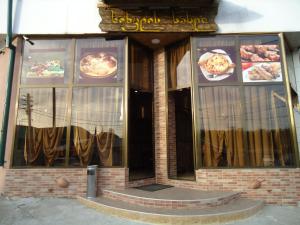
(263, 72)
(259, 53)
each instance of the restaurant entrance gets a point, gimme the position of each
(140, 119)
(177, 70)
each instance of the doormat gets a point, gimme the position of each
(153, 187)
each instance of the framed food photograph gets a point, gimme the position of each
(45, 63)
(260, 59)
(98, 62)
(216, 60)
(262, 72)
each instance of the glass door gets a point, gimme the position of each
(180, 120)
(140, 117)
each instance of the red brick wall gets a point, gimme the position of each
(112, 178)
(280, 186)
(160, 135)
(137, 183)
(41, 181)
(172, 160)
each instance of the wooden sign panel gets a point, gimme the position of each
(157, 20)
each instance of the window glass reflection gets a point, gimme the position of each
(41, 127)
(97, 126)
(268, 127)
(46, 62)
(221, 127)
(179, 66)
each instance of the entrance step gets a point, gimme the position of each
(172, 198)
(239, 209)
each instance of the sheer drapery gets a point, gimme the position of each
(51, 144)
(267, 127)
(105, 142)
(254, 134)
(179, 66)
(43, 111)
(96, 114)
(83, 142)
(33, 144)
(221, 127)
(139, 68)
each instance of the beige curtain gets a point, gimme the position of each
(175, 55)
(83, 142)
(140, 67)
(51, 141)
(260, 143)
(33, 144)
(105, 141)
(280, 135)
(268, 127)
(221, 127)
(259, 133)
(96, 113)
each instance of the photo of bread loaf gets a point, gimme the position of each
(216, 65)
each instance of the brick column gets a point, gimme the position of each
(160, 137)
(172, 137)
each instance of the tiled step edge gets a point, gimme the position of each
(171, 203)
(156, 218)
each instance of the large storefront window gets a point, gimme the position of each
(242, 116)
(41, 127)
(97, 122)
(267, 126)
(70, 107)
(221, 126)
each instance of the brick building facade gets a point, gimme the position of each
(279, 185)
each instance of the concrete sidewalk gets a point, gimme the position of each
(60, 211)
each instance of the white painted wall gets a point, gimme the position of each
(52, 16)
(236, 16)
(81, 16)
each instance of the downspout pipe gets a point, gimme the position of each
(10, 46)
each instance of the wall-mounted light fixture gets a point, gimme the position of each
(155, 41)
(28, 40)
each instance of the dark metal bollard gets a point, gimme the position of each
(91, 181)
